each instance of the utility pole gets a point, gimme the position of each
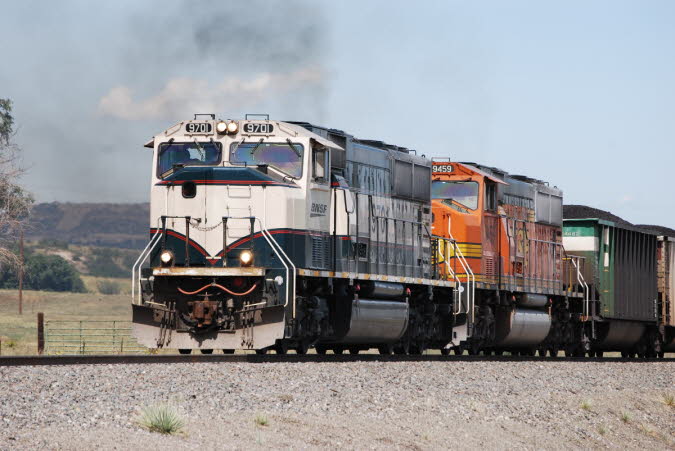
(21, 273)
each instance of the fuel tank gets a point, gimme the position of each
(521, 327)
(377, 321)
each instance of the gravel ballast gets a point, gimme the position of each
(380, 405)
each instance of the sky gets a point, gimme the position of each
(580, 94)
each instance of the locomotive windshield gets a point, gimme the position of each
(187, 154)
(465, 193)
(286, 157)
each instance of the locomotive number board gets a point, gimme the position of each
(258, 128)
(441, 168)
(199, 128)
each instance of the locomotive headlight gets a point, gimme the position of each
(166, 257)
(232, 127)
(221, 127)
(246, 258)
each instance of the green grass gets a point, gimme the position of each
(602, 430)
(586, 405)
(261, 420)
(161, 418)
(625, 417)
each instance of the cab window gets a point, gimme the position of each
(284, 156)
(490, 196)
(320, 165)
(187, 154)
(464, 193)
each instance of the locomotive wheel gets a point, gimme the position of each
(599, 354)
(228, 351)
(281, 348)
(385, 349)
(499, 352)
(553, 352)
(354, 351)
(302, 348)
(262, 351)
(402, 349)
(458, 350)
(185, 351)
(541, 353)
(445, 351)
(338, 350)
(624, 354)
(321, 350)
(206, 351)
(416, 349)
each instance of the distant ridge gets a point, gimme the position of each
(91, 224)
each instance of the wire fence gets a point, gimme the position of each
(90, 337)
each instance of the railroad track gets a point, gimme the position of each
(311, 358)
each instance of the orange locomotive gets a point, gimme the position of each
(507, 230)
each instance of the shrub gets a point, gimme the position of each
(108, 287)
(101, 263)
(44, 272)
(161, 418)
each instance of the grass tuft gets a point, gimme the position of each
(261, 420)
(602, 430)
(586, 405)
(625, 417)
(669, 400)
(161, 418)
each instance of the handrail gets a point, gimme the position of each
(582, 282)
(471, 286)
(272, 242)
(139, 262)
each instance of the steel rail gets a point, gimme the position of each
(11, 361)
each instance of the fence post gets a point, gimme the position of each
(40, 333)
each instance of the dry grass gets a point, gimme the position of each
(625, 417)
(21, 330)
(669, 400)
(586, 405)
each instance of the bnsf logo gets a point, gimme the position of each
(442, 168)
(318, 210)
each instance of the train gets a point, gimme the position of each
(271, 235)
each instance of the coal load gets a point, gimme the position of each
(660, 230)
(586, 212)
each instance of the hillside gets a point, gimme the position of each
(91, 224)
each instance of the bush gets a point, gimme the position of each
(161, 418)
(44, 272)
(101, 263)
(108, 287)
